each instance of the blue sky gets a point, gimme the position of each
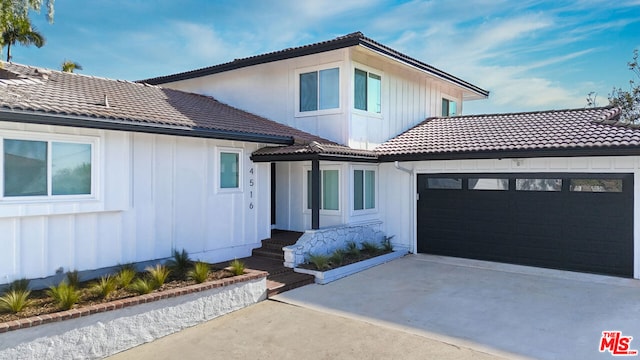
(531, 55)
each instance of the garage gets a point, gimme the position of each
(579, 222)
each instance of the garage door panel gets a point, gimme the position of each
(572, 230)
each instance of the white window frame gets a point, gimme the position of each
(369, 70)
(352, 195)
(306, 206)
(450, 99)
(50, 138)
(218, 169)
(318, 68)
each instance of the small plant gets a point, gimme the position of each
(337, 258)
(64, 295)
(387, 246)
(180, 262)
(237, 267)
(125, 277)
(73, 278)
(370, 247)
(141, 286)
(14, 301)
(353, 249)
(200, 272)
(158, 275)
(20, 285)
(105, 286)
(321, 262)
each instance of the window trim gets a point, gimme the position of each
(376, 192)
(375, 72)
(218, 169)
(318, 68)
(306, 207)
(49, 138)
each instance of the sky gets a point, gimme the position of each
(531, 55)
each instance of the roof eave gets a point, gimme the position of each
(34, 117)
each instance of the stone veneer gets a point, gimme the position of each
(97, 331)
(326, 241)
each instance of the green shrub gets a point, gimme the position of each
(352, 249)
(125, 277)
(73, 278)
(64, 295)
(20, 285)
(200, 272)
(337, 257)
(237, 267)
(105, 286)
(180, 262)
(321, 262)
(141, 286)
(157, 275)
(386, 243)
(14, 301)
(370, 247)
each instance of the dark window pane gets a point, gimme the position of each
(539, 184)
(309, 91)
(358, 190)
(330, 190)
(444, 183)
(360, 90)
(596, 185)
(25, 168)
(70, 168)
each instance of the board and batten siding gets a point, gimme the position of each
(399, 187)
(155, 193)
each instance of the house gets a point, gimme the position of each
(338, 139)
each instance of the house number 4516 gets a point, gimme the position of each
(251, 184)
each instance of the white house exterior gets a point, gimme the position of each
(359, 135)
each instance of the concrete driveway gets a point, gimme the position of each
(499, 309)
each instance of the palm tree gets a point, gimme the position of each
(19, 30)
(70, 66)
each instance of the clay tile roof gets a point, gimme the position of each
(500, 135)
(307, 151)
(87, 99)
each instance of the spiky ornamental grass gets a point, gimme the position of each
(321, 262)
(141, 286)
(200, 272)
(237, 267)
(19, 285)
(158, 275)
(73, 278)
(104, 286)
(64, 295)
(370, 247)
(14, 301)
(125, 276)
(180, 263)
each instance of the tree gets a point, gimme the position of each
(19, 30)
(21, 8)
(629, 100)
(70, 66)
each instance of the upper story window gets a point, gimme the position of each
(449, 108)
(46, 168)
(320, 90)
(367, 91)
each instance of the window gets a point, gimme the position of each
(449, 108)
(229, 170)
(364, 189)
(539, 184)
(488, 184)
(367, 91)
(329, 190)
(444, 183)
(319, 90)
(595, 185)
(46, 168)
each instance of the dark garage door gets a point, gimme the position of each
(579, 222)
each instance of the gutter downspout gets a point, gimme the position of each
(414, 218)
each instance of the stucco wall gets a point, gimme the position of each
(155, 193)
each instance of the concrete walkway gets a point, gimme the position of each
(495, 308)
(274, 330)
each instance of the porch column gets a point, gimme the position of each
(315, 194)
